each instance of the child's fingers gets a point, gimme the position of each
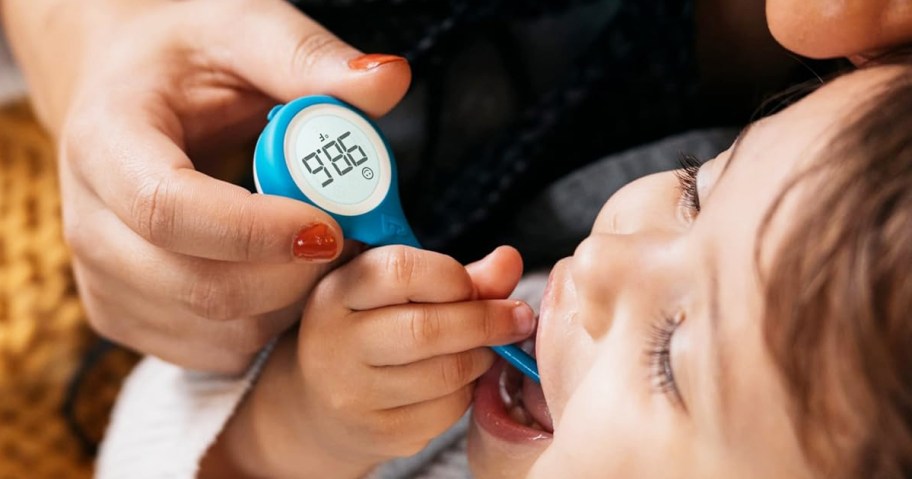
(413, 332)
(396, 386)
(496, 275)
(397, 275)
(424, 421)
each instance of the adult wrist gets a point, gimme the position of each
(49, 39)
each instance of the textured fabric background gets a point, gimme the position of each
(12, 85)
(43, 331)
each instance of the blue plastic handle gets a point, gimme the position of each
(383, 225)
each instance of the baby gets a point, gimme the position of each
(747, 317)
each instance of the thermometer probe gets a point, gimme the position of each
(327, 153)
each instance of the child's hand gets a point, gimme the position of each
(391, 344)
(385, 359)
(388, 350)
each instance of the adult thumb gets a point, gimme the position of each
(286, 54)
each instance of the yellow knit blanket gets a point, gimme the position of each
(43, 332)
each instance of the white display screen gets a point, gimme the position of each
(336, 159)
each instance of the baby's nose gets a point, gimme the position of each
(607, 268)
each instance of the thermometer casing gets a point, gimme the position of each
(377, 221)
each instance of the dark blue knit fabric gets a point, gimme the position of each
(510, 95)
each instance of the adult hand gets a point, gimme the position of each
(169, 260)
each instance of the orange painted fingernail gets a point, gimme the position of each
(314, 242)
(373, 60)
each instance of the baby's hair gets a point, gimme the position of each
(838, 320)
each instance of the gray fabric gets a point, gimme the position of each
(553, 224)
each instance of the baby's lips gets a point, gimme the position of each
(534, 400)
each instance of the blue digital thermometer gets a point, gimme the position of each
(325, 152)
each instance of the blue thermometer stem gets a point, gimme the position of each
(519, 359)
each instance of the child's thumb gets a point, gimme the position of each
(496, 275)
(285, 54)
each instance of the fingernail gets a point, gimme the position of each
(373, 60)
(315, 241)
(523, 318)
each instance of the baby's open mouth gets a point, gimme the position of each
(511, 406)
(523, 398)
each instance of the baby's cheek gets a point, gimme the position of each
(602, 429)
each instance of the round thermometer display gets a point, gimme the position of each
(337, 159)
(323, 151)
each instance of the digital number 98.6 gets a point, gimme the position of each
(341, 154)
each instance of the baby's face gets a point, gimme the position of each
(650, 341)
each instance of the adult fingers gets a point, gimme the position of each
(413, 332)
(206, 288)
(126, 316)
(286, 55)
(398, 275)
(141, 174)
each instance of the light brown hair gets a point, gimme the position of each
(838, 320)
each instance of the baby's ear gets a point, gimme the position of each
(496, 275)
